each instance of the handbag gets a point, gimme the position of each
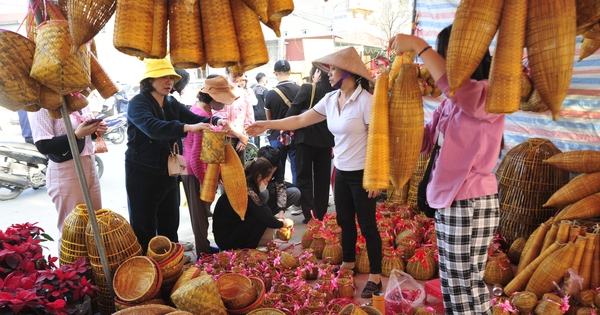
(176, 163)
(422, 203)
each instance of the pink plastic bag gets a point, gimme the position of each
(403, 293)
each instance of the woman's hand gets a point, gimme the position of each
(281, 215)
(374, 193)
(287, 223)
(256, 128)
(84, 129)
(102, 128)
(241, 145)
(406, 43)
(196, 128)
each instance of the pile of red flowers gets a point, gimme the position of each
(29, 283)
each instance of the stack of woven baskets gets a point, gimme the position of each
(136, 281)
(169, 256)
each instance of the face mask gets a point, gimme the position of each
(338, 84)
(262, 186)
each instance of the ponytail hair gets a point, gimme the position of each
(260, 166)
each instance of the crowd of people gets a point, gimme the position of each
(324, 119)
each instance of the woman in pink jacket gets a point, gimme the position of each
(214, 95)
(462, 186)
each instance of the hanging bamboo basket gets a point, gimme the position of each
(134, 36)
(87, 18)
(220, 42)
(250, 38)
(185, 40)
(16, 59)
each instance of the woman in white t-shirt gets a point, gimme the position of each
(347, 110)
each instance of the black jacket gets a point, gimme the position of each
(317, 135)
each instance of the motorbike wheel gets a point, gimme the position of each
(99, 166)
(8, 192)
(250, 153)
(119, 137)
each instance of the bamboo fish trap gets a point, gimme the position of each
(185, 35)
(220, 42)
(550, 41)
(377, 162)
(406, 125)
(579, 161)
(525, 183)
(134, 36)
(416, 178)
(87, 18)
(250, 38)
(16, 59)
(474, 28)
(506, 76)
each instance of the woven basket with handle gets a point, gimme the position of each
(497, 269)
(185, 30)
(213, 146)
(16, 59)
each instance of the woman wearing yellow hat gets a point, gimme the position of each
(347, 111)
(156, 121)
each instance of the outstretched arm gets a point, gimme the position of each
(435, 63)
(289, 123)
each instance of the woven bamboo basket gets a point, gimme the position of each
(586, 266)
(159, 248)
(277, 9)
(16, 59)
(158, 49)
(575, 190)
(533, 246)
(474, 27)
(199, 296)
(259, 7)
(377, 161)
(551, 269)
(421, 269)
(535, 103)
(506, 75)
(76, 101)
(220, 42)
(100, 79)
(137, 279)
(134, 36)
(549, 305)
(580, 161)
(173, 265)
(390, 261)
(332, 253)
(87, 18)
(149, 309)
(416, 178)
(519, 282)
(397, 195)
(515, 249)
(406, 125)
(213, 146)
(275, 25)
(31, 108)
(317, 245)
(524, 301)
(497, 269)
(589, 46)
(595, 278)
(362, 264)
(211, 179)
(73, 241)
(54, 65)
(550, 41)
(49, 99)
(525, 183)
(588, 14)
(526, 87)
(236, 290)
(266, 311)
(250, 38)
(185, 30)
(550, 236)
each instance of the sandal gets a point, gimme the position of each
(370, 288)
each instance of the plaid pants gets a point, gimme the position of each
(464, 233)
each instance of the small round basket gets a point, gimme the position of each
(150, 309)
(136, 279)
(258, 286)
(236, 290)
(266, 311)
(159, 248)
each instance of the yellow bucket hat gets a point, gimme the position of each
(158, 68)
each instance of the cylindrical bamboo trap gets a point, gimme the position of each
(276, 9)
(406, 125)
(220, 42)
(550, 44)
(416, 178)
(209, 186)
(525, 184)
(259, 7)
(100, 79)
(185, 30)
(377, 164)
(552, 269)
(474, 27)
(134, 36)
(250, 38)
(158, 49)
(87, 18)
(504, 87)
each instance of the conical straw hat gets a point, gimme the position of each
(345, 59)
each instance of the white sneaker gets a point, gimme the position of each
(295, 210)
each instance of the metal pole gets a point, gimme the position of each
(83, 182)
(414, 17)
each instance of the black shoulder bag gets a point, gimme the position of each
(422, 188)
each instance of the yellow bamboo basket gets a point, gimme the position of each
(220, 42)
(87, 18)
(595, 278)
(250, 38)
(209, 186)
(158, 50)
(551, 270)
(579, 161)
(134, 36)
(504, 87)
(535, 103)
(526, 87)
(575, 190)
(232, 173)
(519, 282)
(72, 240)
(100, 79)
(277, 9)
(199, 296)
(474, 27)
(390, 261)
(16, 59)
(406, 125)
(550, 44)
(416, 178)
(588, 47)
(76, 101)
(159, 248)
(421, 269)
(185, 35)
(377, 162)
(524, 301)
(525, 184)
(259, 7)
(362, 260)
(497, 269)
(564, 230)
(54, 65)
(515, 250)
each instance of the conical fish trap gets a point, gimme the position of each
(550, 41)
(134, 36)
(199, 296)
(185, 35)
(250, 38)
(525, 184)
(406, 125)
(72, 241)
(87, 18)
(54, 65)
(220, 42)
(17, 88)
(100, 79)
(474, 27)
(260, 7)
(552, 269)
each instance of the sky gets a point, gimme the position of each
(13, 6)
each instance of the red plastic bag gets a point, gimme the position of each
(100, 146)
(403, 293)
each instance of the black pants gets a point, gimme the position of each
(313, 169)
(352, 199)
(153, 202)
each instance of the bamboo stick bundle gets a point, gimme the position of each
(551, 270)
(377, 162)
(585, 268)
(519, 282)
(578, 188)
(504, 88)
(533, 246)
(474, 27)
(406, 125)
(218, 31)
(550, 42)
(250, 38)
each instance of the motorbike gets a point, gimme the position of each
(117, 125)
(22, 166)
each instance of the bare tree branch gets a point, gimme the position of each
(394, 16)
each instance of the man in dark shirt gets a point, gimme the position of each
(277, 103)
(260, 91)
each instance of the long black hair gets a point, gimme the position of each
(183, 82)
(483, 69)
